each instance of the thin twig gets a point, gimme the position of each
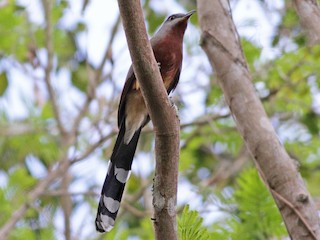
(226, 171)
(97, 78)
(205, 120)
(289, 204)
(108, 52)
(47, 7)
(93, 147)
(134, 211)
(41, 187)
(59, 193)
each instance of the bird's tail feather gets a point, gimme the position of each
(117, 175)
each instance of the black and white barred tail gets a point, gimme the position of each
(114, 184)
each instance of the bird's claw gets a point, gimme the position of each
(159, 65)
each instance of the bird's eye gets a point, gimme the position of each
(171, 18)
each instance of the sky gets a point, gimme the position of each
(251, 21)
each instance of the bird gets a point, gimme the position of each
(167, 46)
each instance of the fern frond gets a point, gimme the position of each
(254, 215)
(190, 226)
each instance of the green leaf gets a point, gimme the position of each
(79, 77)
(41, 145)
(255, 215)
(214, 96)
(251, 51)
(81, 26)
(21, 180)
(153, 18)
(312, 122)
(64, 45)
(290, 18)
(6, 205)
(3, 83)
(47, 111)
(190, 226)
(58, 10)
(257, 208)
(22, 233)
(13, 34)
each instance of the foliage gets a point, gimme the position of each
(3, 83)
(253, 215)
(190, 226)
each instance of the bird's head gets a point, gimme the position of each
(176, 23)
(178, 18)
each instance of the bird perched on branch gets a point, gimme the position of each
(133, 115)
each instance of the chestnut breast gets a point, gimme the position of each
(169, 55)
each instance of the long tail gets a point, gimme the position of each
(117, 175)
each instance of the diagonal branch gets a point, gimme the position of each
(289, 204)
(309, 15)
(41, 187)
(221, 43)
(92, 148)
(108, 52)
(97, 77)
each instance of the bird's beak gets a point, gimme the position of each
(187, 15)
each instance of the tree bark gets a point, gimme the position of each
(309, 15)
(163, 116)
(221, 43)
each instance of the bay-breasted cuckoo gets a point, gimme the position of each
(133, 115)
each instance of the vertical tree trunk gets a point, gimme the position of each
(165, 121)
(221, 43)
(309, 15)
(66, 205)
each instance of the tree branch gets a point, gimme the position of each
(227, 170)
(92, 148)
(166, 124)
(134, 211)
(97, 78)
(47, 7)
(41, 187)
(222, 46)
(309, 15)
(66, 205)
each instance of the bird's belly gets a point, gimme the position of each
(168, 73)
(168, 70)
(136, 113)
(168, 77)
